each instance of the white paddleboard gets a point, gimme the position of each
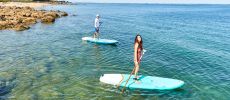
(99, 41)
(145, 82)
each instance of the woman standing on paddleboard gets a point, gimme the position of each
(138, 49)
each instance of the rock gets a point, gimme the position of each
(28, 14)
(13, 22)
(6, 24)
(47, 19)
(38, 14)
(29, 8)
(21, 27)
(53, 14)
(2, 18)
(9, 18)
(63, 14)
(35, 15)
(29, 21)
(2, 25)
(74, 15)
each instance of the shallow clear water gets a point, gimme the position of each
(186, 42)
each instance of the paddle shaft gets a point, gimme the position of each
(131, 75)
(128, 80)
(98, 34)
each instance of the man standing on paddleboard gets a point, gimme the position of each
(96, 25)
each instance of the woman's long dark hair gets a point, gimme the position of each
(140, 43)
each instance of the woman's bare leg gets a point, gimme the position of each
(136, 69)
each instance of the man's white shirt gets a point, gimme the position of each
(96, 23)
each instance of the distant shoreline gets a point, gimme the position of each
(24, 4)
(34, 4)
(153, 3)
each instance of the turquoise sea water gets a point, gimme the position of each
(186, 42)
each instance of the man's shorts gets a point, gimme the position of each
(97, 29)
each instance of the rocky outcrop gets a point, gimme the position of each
(20, 18)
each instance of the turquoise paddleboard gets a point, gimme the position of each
(99, 41)
(145, 82)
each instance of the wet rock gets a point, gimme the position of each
(63, 14)
(21, 27)
(47, 19)
(74, 15)
(29, 21)
(53, 14)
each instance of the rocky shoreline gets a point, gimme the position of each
(20, 18)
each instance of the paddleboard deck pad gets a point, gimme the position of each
(145, 82)
(99, 41)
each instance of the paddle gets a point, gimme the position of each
(98, 35)
(100, 23)
(132, 72)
